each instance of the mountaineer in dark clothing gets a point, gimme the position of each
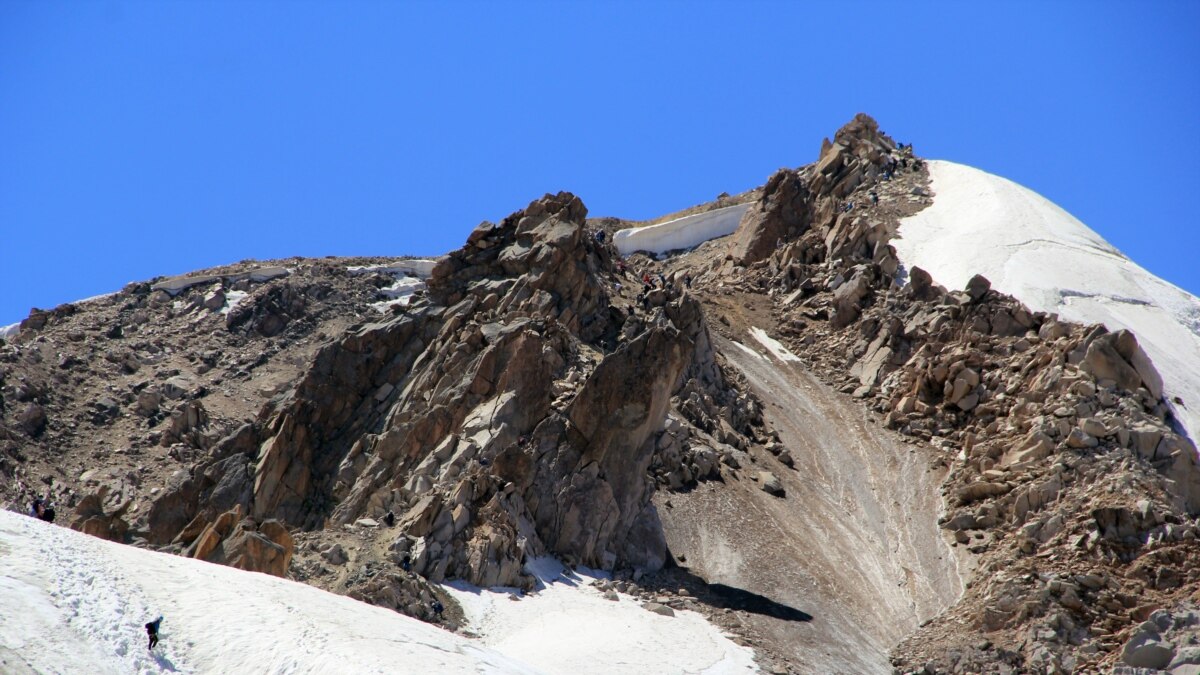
(152, 631)
(41, 509)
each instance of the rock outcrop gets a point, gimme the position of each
(514, 410)
(243, 543)
(795, 200)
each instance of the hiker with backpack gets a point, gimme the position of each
(152, 631)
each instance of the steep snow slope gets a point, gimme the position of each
(71, 603)
(1035, 251)
(680, 233)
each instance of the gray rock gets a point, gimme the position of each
(1145, 650)
(659, 609)
(176, 387)
(335, 554)
(1080, 439)
(1186, 656)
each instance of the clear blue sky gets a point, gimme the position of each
(143, 139)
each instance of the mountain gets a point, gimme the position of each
(773, 409)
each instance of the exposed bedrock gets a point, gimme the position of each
(508, 413)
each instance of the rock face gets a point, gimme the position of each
(512, 412)
(793, 201)
(242, 543)
(97, 515)
(783, 211)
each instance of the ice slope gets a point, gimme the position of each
(681, 233)
(1035, 251)
(70, 603)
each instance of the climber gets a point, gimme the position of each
(437, 608)
(152, 631)
(38, 508)
(874, 197)
(600, 236)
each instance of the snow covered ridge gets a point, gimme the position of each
(72, 603)
(681, 233)
(1035, 251)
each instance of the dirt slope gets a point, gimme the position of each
(854, 543)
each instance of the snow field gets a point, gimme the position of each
(1035, 251)
(71, 603)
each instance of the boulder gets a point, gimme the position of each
(848, 297)
(782, 213)
(770, 484)
(268, 550)
(1108, 357)
(32, 419)
(978, 287)
(659, 609)
(1147, 650)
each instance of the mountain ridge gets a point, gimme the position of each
(530, 400)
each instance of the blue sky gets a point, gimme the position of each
(144, 139)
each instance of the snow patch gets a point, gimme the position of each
(750, 351)
(681, 233)
(232, 299)
(10, 330)
(1032, 249)
(773, 345)
(409, 274)
(567, 626)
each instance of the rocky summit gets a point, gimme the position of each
(841, 462)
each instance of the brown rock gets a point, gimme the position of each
(782, 213)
